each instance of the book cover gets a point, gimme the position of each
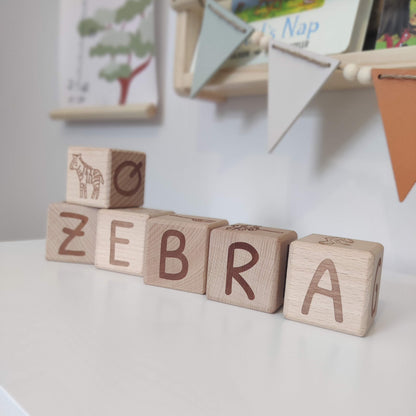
(397, 25)
(321, 26)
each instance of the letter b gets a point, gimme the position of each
(176, 254)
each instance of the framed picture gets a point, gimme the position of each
(107, 66)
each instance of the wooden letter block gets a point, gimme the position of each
(176, 252)
(71, 233)
(247, 266)
(121, 237)
(333, 283)
(105, 178)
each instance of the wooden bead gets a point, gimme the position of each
(105, 178)
(255, 37)
(71, 233)
(121, 238)
(333, 283)
(264, 42)
(176, 253)
(350, 72)
(364, 75)
(247, 266)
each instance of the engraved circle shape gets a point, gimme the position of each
(135, 171)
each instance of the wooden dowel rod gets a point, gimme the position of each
(181, 5)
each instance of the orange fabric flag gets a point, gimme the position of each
(396, 95)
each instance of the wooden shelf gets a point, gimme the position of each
(119, 112)
(252, 80)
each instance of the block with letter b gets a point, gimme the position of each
(105, 178)
(121, 238)
(176, 252)
(334, 283)
(247, 266)
(71, 233)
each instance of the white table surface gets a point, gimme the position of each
(77, 341)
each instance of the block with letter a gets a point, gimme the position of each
(334, 283)
(121, 237)
(176, 251)
(71, 233)
(105, 178)
(247, 266)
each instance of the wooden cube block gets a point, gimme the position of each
(334, 283)
(121, 237)
(247, 266)
(105, 178)
(176, 252)
(71, 233)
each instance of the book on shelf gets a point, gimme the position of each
(397, 24)
(321, 26)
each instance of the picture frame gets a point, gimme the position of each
(107, 68)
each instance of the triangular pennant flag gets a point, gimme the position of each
(396, 96)
(221, 34)
(295, 76)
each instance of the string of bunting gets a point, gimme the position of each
(350, 71)
(297, 75)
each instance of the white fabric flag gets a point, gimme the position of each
(295, 76)
(221, 34)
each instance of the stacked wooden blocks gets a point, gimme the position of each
(330, 282)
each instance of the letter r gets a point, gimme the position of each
(234, 272)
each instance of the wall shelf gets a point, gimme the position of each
(109, 113)
(252, 80)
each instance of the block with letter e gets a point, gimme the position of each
(247, 266)
(105, 178)
(333, 283)
(176, 251)
(121, 238)
(71, 233)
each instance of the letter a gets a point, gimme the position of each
(234, 272)
(334, 293)
(176, 254)
(72, 234)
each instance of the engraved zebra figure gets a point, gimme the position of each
(86, 175)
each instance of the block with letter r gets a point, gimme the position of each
(247, 266)
(176, 251)
(71, 233)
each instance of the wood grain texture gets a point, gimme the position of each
(121, 238)
(117, 112)
(253, 80)
(333, 283)
(105, 178)
(176, 251)
(71, 233)
(247, 266)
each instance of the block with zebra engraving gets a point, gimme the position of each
(121, 238)
(105, 178)
(176, 251)
(247, 266)
(333, 283)
(71, 233)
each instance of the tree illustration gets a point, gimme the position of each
(120, 44)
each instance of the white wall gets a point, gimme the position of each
(331, 173)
